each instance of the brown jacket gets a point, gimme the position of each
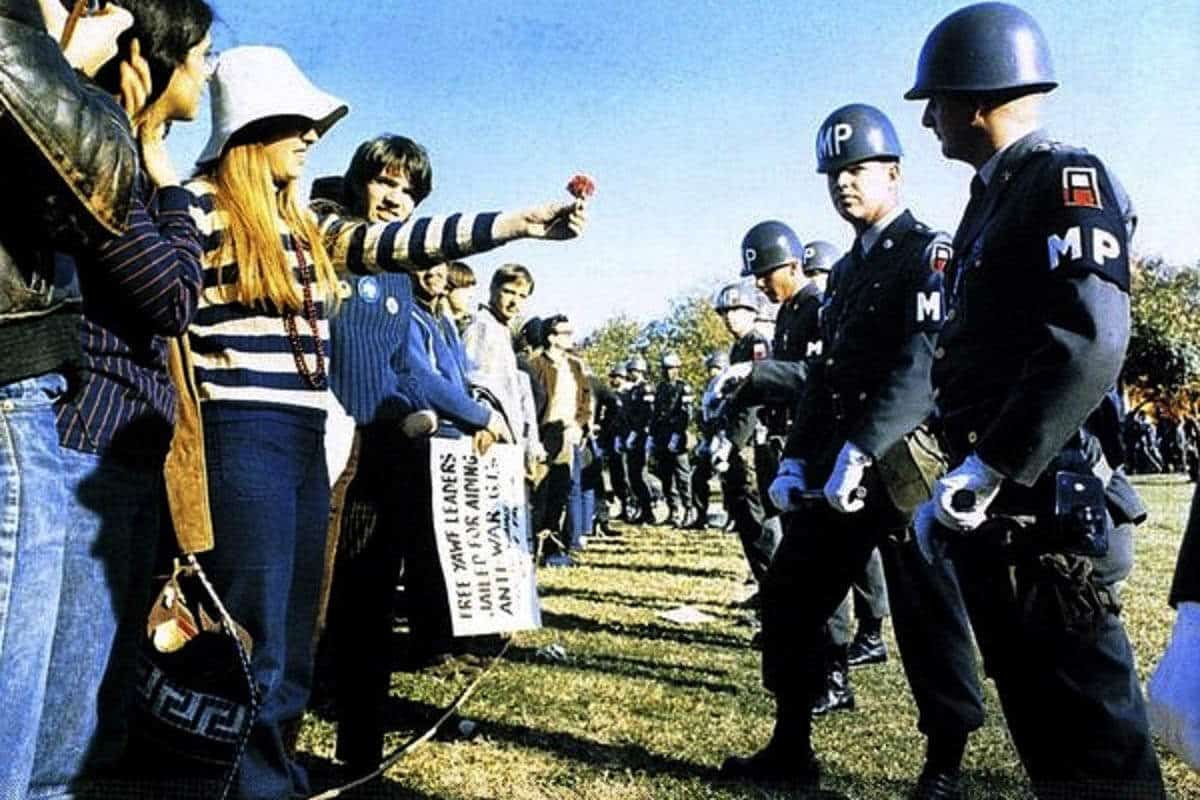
(545, 371)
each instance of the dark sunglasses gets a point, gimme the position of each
(79, 10)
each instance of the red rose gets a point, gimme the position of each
(581, 186)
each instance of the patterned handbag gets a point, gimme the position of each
(197, 699)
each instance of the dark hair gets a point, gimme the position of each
(384, 153)
(549, 324)
(511, 273)
(531, 333)
(166, 30)
(459, 275)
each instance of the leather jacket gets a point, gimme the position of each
(70, 166)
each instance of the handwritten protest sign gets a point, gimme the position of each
(480, 520)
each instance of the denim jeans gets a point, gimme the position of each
(32, 499)
(111, 517)
(269, 492)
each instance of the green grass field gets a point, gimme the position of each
(646, 709)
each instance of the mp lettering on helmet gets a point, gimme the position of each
(751, 255)
(1095, 243)
(1081, 187)
(833, 137)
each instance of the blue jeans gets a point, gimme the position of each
(269, 492)
(32, 499)
(579, 515)
(111, 517)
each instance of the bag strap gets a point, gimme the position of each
(185, 472)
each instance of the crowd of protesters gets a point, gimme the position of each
(172, 353)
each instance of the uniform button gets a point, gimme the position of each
(939, 353)
(875, 285)
(978, 261)
(887, 244)
(972, 437)
(951, 314)
(862, 396)
(829, 362)
(870, 308)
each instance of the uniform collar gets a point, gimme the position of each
(807, 290)
(1010, 154)
(870, 236)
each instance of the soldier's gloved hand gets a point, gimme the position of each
(846, 478)
(977, 479)
(649, 445)
(673, 443)
(788, 483)
(618, 445)
(730, 377)
(720, 449)
(631, 440)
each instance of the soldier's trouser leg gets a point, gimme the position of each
(702, 473)
(936, 645)
(1072, 700)
(744, 504)
(635, 462)
(616, 474)
(810, 576)
(681, 466)
(870, 594)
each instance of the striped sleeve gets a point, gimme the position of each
(156, 262)
(360, 247)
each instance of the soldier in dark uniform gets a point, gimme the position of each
(673, 401)
(639, 409)
(613, 430)
(737, 304)
(1036, 329)
(866, 394)
(708, 427)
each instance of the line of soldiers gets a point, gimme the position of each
(957, 414)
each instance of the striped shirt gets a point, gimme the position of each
(143, 286)
(243, 353)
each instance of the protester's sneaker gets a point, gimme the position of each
(867, 649)
(419, 424)
(558, 560)
(774, 764)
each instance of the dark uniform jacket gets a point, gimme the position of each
(610, 413)
(673, 403)
(880, 321)
(778, 382)
(740, 426)
(1186, 586)
(1038, 309)
(639, 410)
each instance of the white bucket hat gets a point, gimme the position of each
(255, 82)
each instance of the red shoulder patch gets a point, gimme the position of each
(940, 256)
(1081, 187)
(760, 351)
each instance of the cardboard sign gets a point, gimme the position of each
(481, 523)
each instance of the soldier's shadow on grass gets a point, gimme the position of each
(573, 622)
(625, 668)
(636, 601)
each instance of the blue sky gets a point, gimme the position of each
(698, 119)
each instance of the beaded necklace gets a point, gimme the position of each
(317, 379)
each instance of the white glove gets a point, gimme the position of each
(972, 476)
(720, 450)
(673, 443)
(631, 440)
(847, 476)
(618, 445)
(788, 481)
(1173, 693)
(730, 377)
(649, 445)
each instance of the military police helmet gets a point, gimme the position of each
(717, 360)
(637, 364)
(768, 246)
(819, 257)
(735, 295)
(618, 371)
(671, 360)
(854, 133)
(987, 47)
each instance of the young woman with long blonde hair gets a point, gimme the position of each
(260, 343)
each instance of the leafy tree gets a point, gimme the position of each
(1163, 363)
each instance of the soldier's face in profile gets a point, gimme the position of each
(951, 118)
(865, 192)
(738, 321)
(780, 283)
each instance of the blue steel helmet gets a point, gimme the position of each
(618, 371)
(735, 295)
(637, 363)
(854, 133)
(987, 47)
(768, 246)
(717, 360)
(819, 257)
(671, 360)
